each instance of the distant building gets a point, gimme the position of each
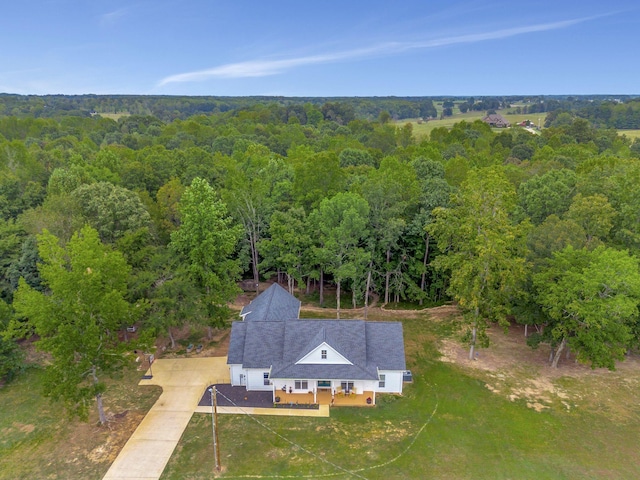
(496, 120)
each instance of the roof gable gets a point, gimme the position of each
(272, 305)
(331, 356)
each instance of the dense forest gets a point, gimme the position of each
(154, 218)
(607, 111)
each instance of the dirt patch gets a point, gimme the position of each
(443, 312)
(120, 427)
(510, 368)
(24, 428)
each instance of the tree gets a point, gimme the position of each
(391, 193)
(206, 239)
(356, 157)
(547, 194)
(77, 319)
(164, 211)
(111, 210)
(174, 296)
(11, 239)
(317, 177)
(483, 250)
(341, 223)
(436, 192)
(255, 186)
(591, 299)
(11, 357)
(288, 246)
(594, 214)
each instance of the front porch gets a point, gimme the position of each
(324, 397)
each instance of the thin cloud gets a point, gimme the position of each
(112, 17)
(263, 68)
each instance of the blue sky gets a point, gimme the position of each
(320, 48)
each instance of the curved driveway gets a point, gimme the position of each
(183, 381)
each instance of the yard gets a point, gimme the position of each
(38, 440)
(506, 415)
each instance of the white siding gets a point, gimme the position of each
(315, 356)
(393, 381)
(235, 371)
(255, 379)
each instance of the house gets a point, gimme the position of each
(496, 120)
(313, 361)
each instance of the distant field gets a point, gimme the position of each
(632, 134)
(114, 116)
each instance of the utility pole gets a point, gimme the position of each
(214, 427)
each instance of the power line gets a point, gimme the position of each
(354, 473)
(295, 444)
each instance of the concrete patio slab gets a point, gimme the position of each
(323, 411)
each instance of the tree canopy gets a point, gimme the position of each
(78, 317)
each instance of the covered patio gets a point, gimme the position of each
(324, 397)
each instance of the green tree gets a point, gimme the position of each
(288, 246)
(316, 177)
(341, 225)
(207, 239)
(482, 249)
(11, 238)
(255, 186)
(391, 193)
(111, 210)
(591, 299)
(11, 357)
(594, 214)
(550, 193)
(78, 318)
(165, 213)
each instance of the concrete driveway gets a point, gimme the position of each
(183, 381)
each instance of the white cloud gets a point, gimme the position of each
(112, 17)
(262, 68)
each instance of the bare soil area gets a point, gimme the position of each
(509, 367)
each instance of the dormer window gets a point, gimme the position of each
(323, 354)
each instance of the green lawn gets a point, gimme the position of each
(447, 425)
(632, 134)
(39, 441)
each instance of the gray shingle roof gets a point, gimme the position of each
(369, 346)
(274, 304)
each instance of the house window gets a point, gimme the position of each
(323, 354)
(265, 375)
(381, 383)
(346, 386)
(302, 385)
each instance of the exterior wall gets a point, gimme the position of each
(312, 385)
(290, 383)
(235, 372)
(255, 379)
(315, 357)
(393, 382)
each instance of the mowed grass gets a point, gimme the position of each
(447, 425)
(38, 440)
(424, 129)
(114, 116)
(632, 134)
